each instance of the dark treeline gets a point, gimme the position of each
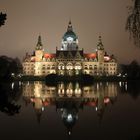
(132, 70)
(9, 67)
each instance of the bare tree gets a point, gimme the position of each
(133, 22)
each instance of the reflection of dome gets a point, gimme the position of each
(69, 118)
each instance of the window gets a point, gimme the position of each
(61, 66)
(78, 66)
(48, 67)
(69, 66)
(90, 66)
(53, 66)
(86, 67)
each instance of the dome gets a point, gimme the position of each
(69, 39)
(69, 33)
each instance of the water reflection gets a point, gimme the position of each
(132, 88)
(69, 98)
(9, 95)
(99, 108)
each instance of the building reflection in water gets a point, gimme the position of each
(69, 98)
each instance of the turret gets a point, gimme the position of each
(69, 27)
(39, 51)
(100, 50)
(39, 45)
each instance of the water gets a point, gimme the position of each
(34, 110)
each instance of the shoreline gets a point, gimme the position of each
(81, 78)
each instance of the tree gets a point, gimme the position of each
(133, 22)
(2, 19)
(8, 66)
(134, 70)
(9, 99)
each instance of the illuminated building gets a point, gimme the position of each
(69, 59)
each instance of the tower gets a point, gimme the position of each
(39, 51)
(100, 50)
(70, 39)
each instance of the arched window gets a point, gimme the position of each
(61, 66)
(53, 66)
(69, 66)
(90, 66)
(78, 66)
(48, 66)
(86, 67)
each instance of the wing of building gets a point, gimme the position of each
(69, 59)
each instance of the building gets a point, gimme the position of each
(69, 59)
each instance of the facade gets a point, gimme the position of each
(69, 59)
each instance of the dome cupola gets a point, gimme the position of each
(69, 39)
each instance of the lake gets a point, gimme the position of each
(103, 110)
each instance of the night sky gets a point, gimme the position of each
(26, 19)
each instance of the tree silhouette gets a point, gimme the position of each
(8, 66)
(132, 70)
(133, 22)
(2, 19)
(9, 98)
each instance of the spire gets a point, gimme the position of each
(39, 43)
(100, 44)
(70, 26)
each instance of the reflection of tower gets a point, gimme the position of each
(38, 106)
(38, 103)
(38, 114)
(101, 104)
(100, 114)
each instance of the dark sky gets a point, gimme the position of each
(26, 19)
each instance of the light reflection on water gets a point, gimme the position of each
(69, 98)
(70, 104)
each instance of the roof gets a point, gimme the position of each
(67, 54)
(90, 55)
(49, 55)
(70, 32)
